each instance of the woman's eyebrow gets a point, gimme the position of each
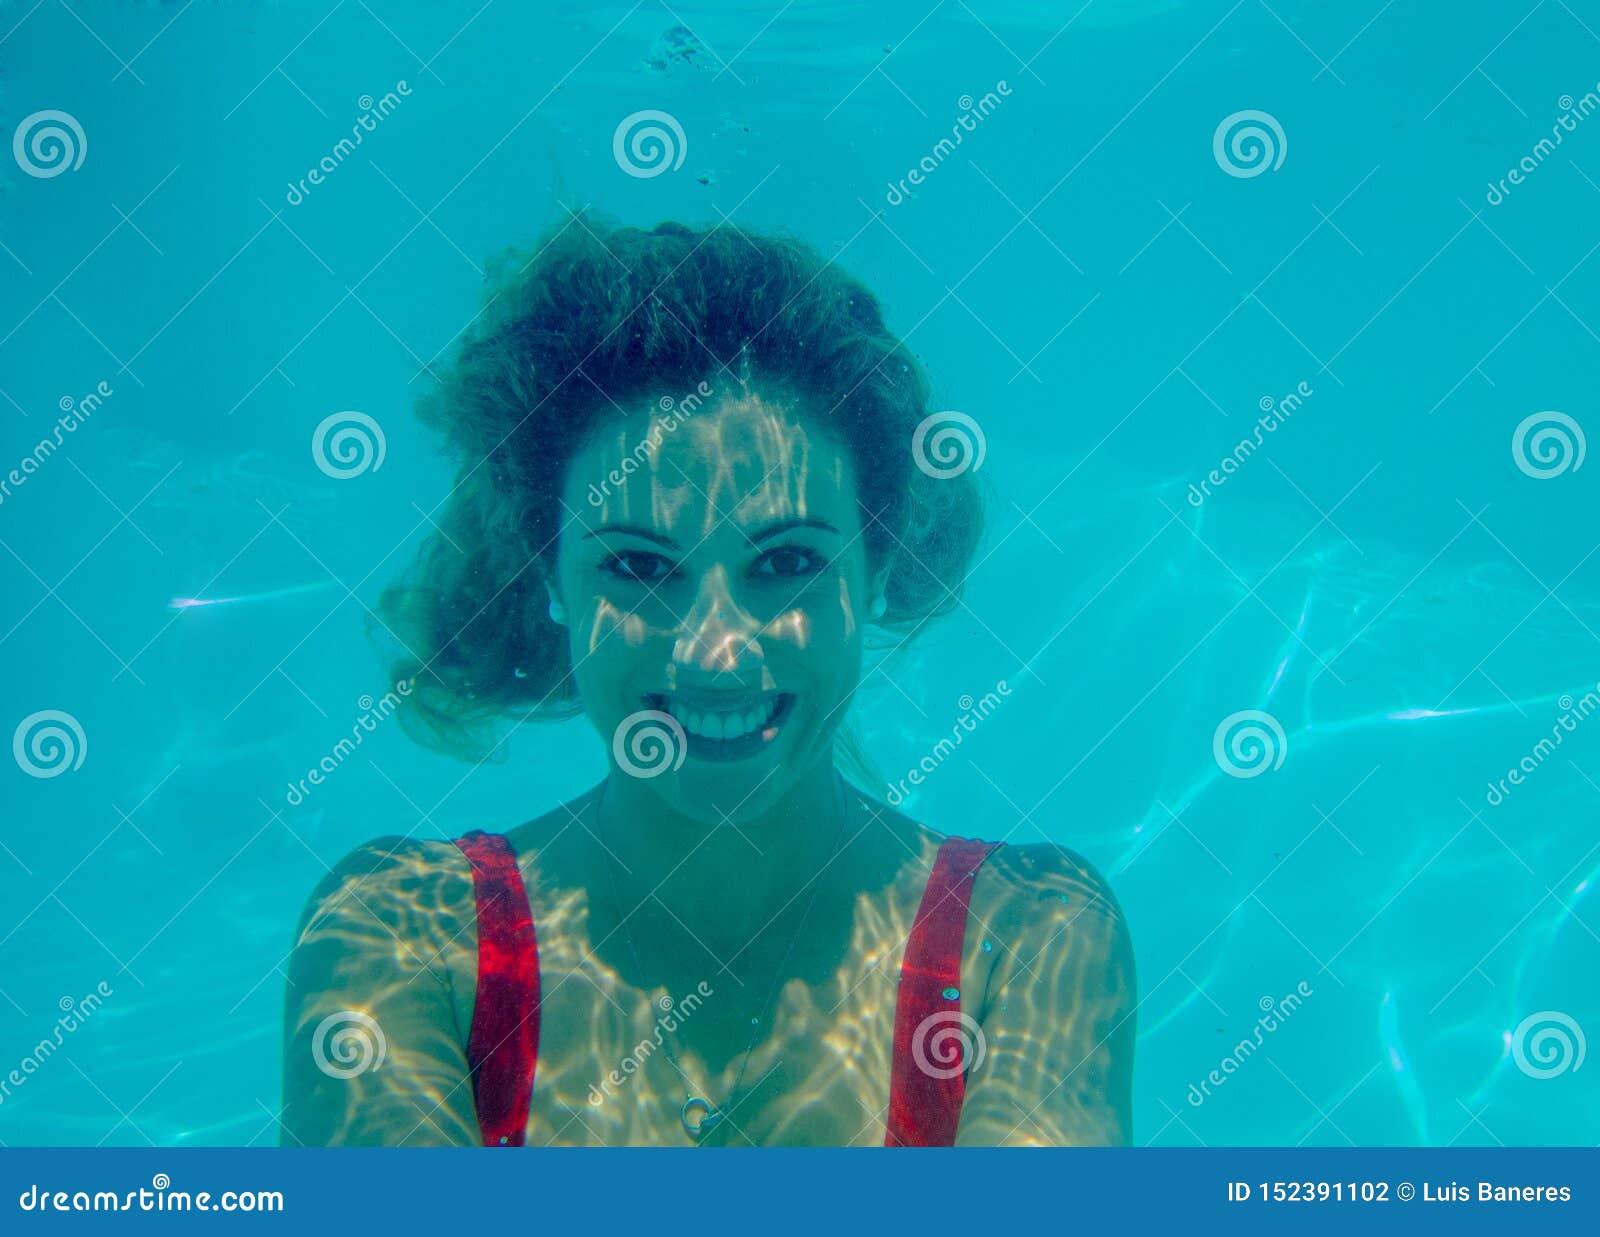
(771, 530)
(631, 530)
(783, 526)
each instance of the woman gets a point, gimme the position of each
(687, 482)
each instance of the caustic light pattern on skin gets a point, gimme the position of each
(665, 1025)
(674, 413)
(348, 1043)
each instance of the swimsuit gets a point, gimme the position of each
(503, 1047)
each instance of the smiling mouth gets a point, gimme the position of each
(740, 728)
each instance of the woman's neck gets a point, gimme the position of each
(722, 880)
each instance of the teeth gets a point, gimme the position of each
(722, 726)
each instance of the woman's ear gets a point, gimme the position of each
(558, 612)
(877, 603)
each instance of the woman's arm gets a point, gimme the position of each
(1057, 1022)
(372, 1053)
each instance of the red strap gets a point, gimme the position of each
(927, 1081)
(503, 1049)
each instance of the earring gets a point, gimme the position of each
(558, 613)
(879, 605)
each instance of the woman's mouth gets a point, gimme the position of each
(730, 729)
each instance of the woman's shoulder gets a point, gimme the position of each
(426, 884)
(1048, 890)
(410, 888)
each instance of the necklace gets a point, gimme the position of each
(699, 1115)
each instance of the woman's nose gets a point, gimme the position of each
(717, 636)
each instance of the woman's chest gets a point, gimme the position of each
(792, 1046)
(618, 1064)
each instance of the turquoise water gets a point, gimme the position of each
(1402, 584)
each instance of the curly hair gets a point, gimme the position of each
(594, 317)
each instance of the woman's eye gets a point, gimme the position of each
(790, 561)
(637, 566)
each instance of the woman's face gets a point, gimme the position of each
(713, 569)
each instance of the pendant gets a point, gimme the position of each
(698, 1116)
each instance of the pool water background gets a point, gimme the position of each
(1084, 276)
